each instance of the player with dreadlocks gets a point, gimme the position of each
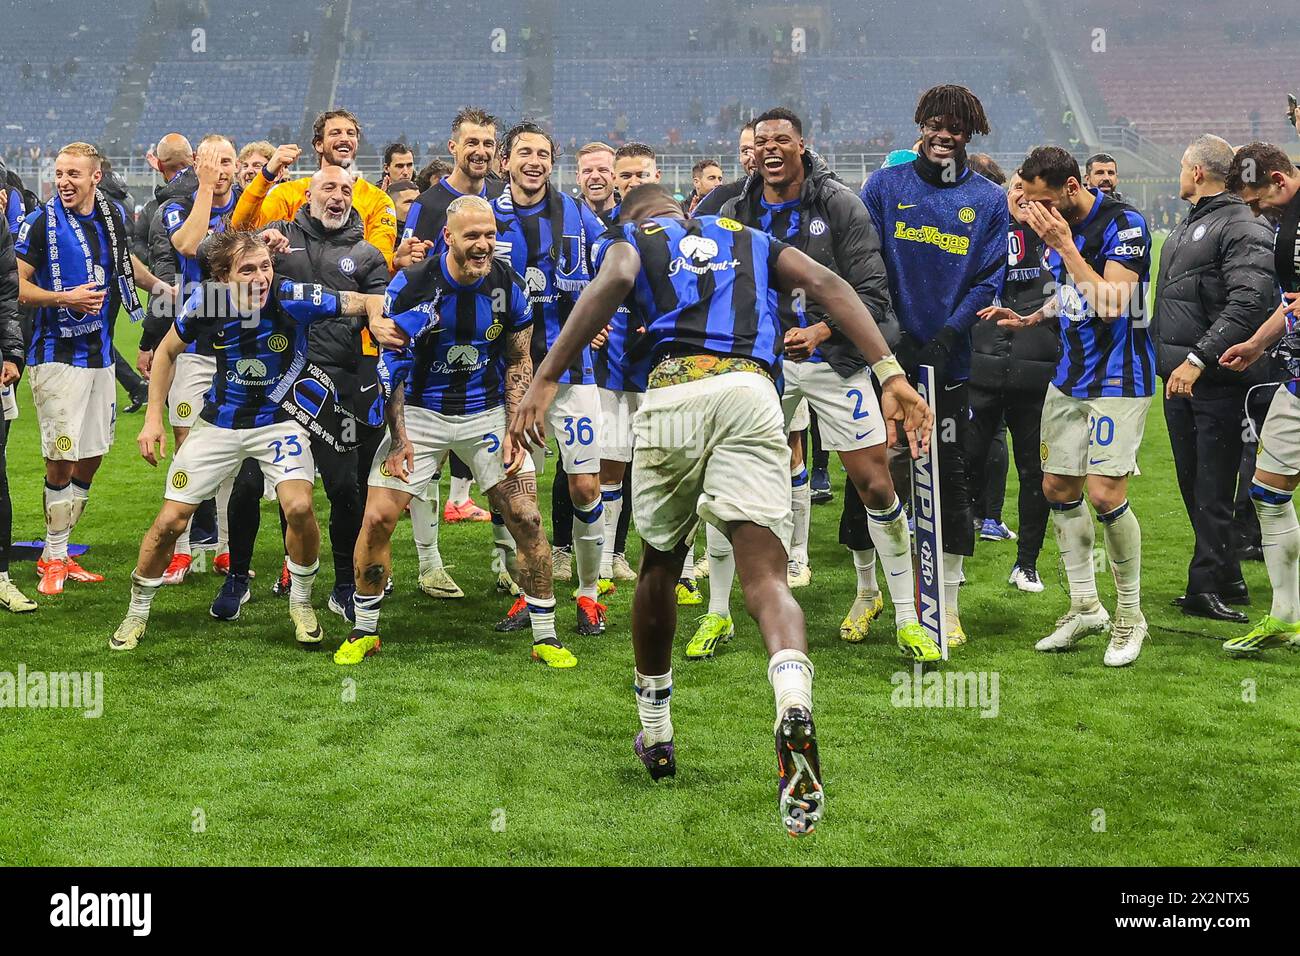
(943, 231)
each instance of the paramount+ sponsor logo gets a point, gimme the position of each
(950, 242)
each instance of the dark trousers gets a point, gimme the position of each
(126, 375)
(1022, 413)
(956, 508)
(820, 456)
(6, 505)
(344, 475)
(1206, 435)
(991, 491)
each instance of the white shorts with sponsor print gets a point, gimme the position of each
(617, 409)
(76, 409)
(848, 413)
(193, 378)
(713, 449)
(574, 421)
(211, 454)
(476, 440)
(1279, 438)
(1091, 436)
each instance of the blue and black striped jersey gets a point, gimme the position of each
(258, 356)
(456, 362)
(1105, 359)
(548, 246)
(174, 215)
(57, 336)
(428, 214)
(706, 285)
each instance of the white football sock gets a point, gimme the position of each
(541, 615)
(1281, 541)
(504, 542)
(688, 565)
(1075, 538)
(223, 512)
(722, 570)
(791, 674)
(142, 593)
(424, 529)
(888, 530)
(458, 494)
(366, 609)
(588, 541)
(951, 585)
(183, 542)
(58, 522)
(301, 578)
(1123, 537)
(80, 499)
(864, 563)
(611, 499)
(653, 705)
(801, 504)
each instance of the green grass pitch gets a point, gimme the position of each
(225, 744)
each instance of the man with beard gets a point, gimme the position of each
(323, 245)
(706, 176)
(544, 235)
(468, 323)
(335, 137)
(596, 180)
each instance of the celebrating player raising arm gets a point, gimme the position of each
(714, 441)
(259, 329)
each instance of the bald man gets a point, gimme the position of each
(169, 157)
(323, 243)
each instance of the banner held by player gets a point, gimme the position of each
(927, 543)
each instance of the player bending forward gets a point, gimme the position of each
(468, 325)
(259, 329)
(711, 444)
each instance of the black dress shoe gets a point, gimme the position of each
(1251, 552)
(138, 401)
(1211, 606)
(1234, 593)
(1179, 601)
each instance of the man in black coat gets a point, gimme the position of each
(1216, 286)
(1009, 374)
(324, 243)
(795, 198)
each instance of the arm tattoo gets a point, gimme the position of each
(395, 416)
(352, 304)
(519, 369)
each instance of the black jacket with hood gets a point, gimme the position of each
(846, 243)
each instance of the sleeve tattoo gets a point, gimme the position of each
(395, 415)
(519, 368)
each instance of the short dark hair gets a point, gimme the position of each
(987, 166)
(1253, 164)
(392, 149)
(474, 116)
(777, 114)
(955, 101)
(527, 128)
(1052, 164)
(400, 186)
(702, 165)
(433, 170)
(638, 197)
(634, 149)
(1098, 158)
(318, 128)
(749, 126)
